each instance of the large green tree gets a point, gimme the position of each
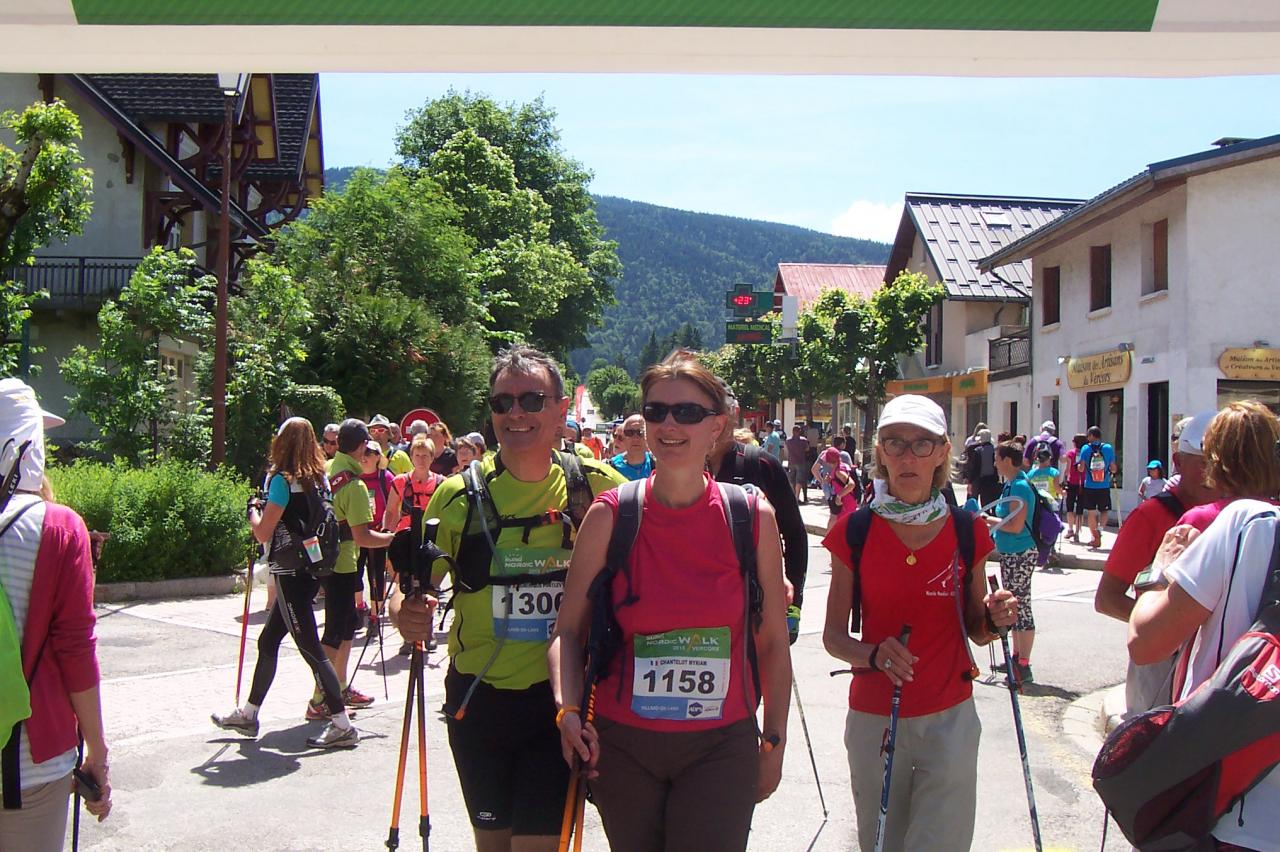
(612, 390)
(44, 196)
(528, 139)
(390, 277)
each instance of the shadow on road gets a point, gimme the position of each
(1034, 689)
(273, 755)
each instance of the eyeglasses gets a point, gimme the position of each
(686, 413)
(373, 452)
(920, 447)
(333, 441)
(531, 402)
(633, 433)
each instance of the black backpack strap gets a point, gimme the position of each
(1171, 502)
(963, 523)
(605, 636)
(855, 535)
(739, 512)
(576, 486)
(751, 463)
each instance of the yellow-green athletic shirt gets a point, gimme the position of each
(350, 504)
(520, 664)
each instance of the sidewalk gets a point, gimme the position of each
(1069, 554)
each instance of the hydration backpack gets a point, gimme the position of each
(307, 541)
(986, 459)
(1044, 525)
(1168, 775)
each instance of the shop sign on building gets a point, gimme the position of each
(969, 384)
(1255, 364)
(1098, 371)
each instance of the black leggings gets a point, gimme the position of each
(293, 615)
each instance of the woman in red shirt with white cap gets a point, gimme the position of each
(910, 573)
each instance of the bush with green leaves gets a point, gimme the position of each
(166, 521)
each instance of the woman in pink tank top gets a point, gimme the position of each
(673, 747)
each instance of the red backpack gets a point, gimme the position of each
(1168, 775)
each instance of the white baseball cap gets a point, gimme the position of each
(23, 419)
(1191, 433)
(1048, 426)
(915, 410)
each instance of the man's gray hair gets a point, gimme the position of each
(330, 427)
(527, 361)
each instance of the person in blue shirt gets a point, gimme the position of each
(1097, 461)
(773, 441)
(635, 461)
(1017, 549)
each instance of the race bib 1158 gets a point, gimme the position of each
(681, 674)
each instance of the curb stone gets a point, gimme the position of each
(185, 587)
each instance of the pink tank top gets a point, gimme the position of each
(682, 663)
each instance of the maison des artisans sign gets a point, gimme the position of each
(1255, 364)
(1100, 370)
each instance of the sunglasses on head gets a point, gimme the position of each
(531, 402)
(686, 413)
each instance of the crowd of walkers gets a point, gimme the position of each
(591, 646)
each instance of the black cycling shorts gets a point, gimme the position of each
(1095, 499)
(339, 608)
(1071, 501)
(507, 752)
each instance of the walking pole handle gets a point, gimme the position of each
(994, 585)
(905, 635)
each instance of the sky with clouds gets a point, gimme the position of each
(834, 154)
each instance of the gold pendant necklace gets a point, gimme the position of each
(911, 558)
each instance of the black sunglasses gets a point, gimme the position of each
(531, 402)
(633, 433)
(686, 413)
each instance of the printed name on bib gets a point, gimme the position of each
(681, 674)
(527, 612)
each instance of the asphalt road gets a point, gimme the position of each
(180, 783)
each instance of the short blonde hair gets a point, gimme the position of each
(422, 442)
(1240, 451)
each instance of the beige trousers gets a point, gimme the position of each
(933, 794)
(41, 824)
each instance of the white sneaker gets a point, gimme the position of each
(335, 737)
(238, 722)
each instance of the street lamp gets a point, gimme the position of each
(231, 85)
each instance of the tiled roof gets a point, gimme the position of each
(197, 98)
(960, 230)
(808, 281)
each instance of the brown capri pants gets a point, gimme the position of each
(677, 792)
(933, 794)
(41, 824)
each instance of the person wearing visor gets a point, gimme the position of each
(912, 571)
(509, 524)
(53, 696)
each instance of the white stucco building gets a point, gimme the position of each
(1156, 300)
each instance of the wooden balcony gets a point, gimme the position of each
(74, 283)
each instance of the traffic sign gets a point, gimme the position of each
(747, 303)
(746, 331)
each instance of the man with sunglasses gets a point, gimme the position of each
(518, 519)
(735, 462)
(329, 443)
(635, 461)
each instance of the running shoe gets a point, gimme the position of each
(335, 737)
(405, 650)
(238, 722)
(1024, 673)
(355, 698)
(362, 617)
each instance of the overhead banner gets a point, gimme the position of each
(1255, 364)
(1099, 371)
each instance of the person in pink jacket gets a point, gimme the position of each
(46, 571)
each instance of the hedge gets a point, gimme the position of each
(167, 520)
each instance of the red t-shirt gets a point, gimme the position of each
(1201, 516)
(1139, 539)
(685, 574)
(922, 595)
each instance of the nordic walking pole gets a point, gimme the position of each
(581, 810)
(1014, 688)
(888, 752)
(244, 627)
(393, 836)
(804, 726)
(424, 813)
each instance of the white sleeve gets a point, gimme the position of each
(1203, 568)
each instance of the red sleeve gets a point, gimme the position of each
(836, 542)
(1136, 543)
(72, 622)
(982, 543)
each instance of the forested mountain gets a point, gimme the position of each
(678, 265)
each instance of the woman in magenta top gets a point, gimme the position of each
(1074, 482)
(674, 750)
(910, 569)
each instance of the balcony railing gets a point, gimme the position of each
(1010, 355)
(77, 283)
